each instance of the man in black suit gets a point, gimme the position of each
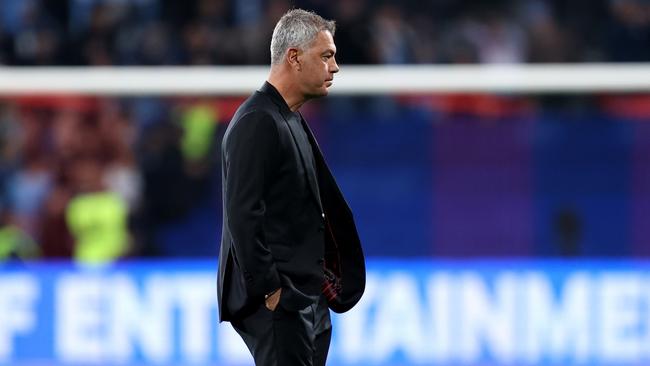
(290, 249)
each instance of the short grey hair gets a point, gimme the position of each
(297, 28)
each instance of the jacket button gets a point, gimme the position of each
(321, 228)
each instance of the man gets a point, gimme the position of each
(289, 248)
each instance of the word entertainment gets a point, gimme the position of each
(413, 312)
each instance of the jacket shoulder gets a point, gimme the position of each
(257, 106)
(257, 115)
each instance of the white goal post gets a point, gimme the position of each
(359, 80)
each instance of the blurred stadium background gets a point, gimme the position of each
(501, 185)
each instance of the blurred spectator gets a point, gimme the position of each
(10, 147)
(352, 32)
(392, 37)
(155, 45)
(629, 32)
(28, 186)
(547, 40)
(199, 124)
(496, 38)
(120, 175)
(227, 32)
(55, 238)
(36, 36)
(15, 243)
(179, 164)
(457, 49)
(200, 44)
(66, 137)
(6, 47)
(95, 45)
(28, 189)
(253, 38)
(97, 217)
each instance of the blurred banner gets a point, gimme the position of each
(419, 312)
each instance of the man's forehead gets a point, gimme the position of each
(325, 41)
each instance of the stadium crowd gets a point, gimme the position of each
(97, 179)
(224, 32)
(149, 167)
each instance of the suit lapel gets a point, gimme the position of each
(300, 138)
(306, 154)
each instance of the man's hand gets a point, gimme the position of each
(271, 301)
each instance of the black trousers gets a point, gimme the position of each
(287, 338)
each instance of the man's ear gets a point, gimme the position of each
(292, 58)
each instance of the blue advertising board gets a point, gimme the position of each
(414, 312)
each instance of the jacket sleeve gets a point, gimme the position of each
(251, 150)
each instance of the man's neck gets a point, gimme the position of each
(287, 89)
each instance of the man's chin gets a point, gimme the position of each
(318, 94)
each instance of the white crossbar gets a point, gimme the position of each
(352, 80)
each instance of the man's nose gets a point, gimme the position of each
(334, 68)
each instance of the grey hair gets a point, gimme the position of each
(297, 28)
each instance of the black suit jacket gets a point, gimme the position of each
(285, 222)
